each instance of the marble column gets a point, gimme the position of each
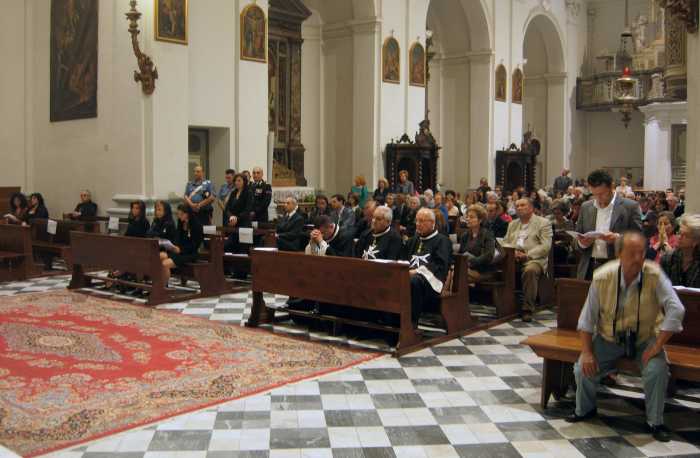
(556, 151)
(693, 139)
(658, 119)
(481, 151)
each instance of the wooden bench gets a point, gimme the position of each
(382, 286)
(58, 244)
(209, 270)
(135, 255)
(560, 348)
(16, 259)
(501, 287)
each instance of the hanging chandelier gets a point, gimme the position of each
(626, 90)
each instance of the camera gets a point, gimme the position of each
(628, 340)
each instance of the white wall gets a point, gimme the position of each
(12, 90)
(611, 145)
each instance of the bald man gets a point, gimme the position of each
(429, 253)
(262, 195)
(631, 311)
(199, 195)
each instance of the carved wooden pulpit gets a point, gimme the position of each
(515, 167)
(419, 158)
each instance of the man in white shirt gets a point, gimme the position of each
(607, 214)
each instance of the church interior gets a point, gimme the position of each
(349, 228)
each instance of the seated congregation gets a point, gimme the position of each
(434, 254)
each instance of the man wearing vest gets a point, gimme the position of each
(631, 311)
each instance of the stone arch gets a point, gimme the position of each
(544, 102)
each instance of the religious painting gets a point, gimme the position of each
(391, 61)
(501, 77)
(171, 21)
(416, 65)
(73, 65)
(253, 34)
(517, 95)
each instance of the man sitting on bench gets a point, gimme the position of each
(633, 311)
(329, 239)
(429, 253)
(290, 227)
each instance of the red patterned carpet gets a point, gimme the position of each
(74, 367)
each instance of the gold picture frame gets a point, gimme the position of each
(416, 65)
(517, 85)
(391, 61)
(170, 19)
(501, 83)
(253, 44)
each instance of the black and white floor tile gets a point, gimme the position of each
(477, 396)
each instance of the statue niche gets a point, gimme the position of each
(284, 90)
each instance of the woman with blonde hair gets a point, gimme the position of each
(360, 188)
(382, 190)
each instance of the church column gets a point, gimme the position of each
(658, 119)
(481, 153)
(693, 140)
(251, 105)
(555, 148)
(366, 80)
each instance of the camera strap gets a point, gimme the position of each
(617, 302)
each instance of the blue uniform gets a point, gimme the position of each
(198, 191)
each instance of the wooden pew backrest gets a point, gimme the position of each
(127, 254)
(332, 279)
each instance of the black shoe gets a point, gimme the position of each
(660, 433)
(573, 418)
(527, 317)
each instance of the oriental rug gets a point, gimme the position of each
(74, 367)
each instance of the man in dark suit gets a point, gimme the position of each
(341, 214)
(262, 196)
(290, 228)
(494, 222)
(562, 182)
(329, 239)
(608, 214)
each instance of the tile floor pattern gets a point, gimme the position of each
(473, 397)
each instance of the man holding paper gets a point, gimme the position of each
(601, 221)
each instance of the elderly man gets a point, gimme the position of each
(531, 236)
(494, 222)
(382, 241)
(199, 194)
(262, 196)
(608, 214)
(365, 223)
(290, 228)
(342, 214)
(86, 208)
(429, 253)
(675, 206)
(631, 311)
(328, 239)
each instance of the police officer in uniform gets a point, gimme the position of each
(199, 195)
(262, 195)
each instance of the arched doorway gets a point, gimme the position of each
(459, 91)
(544, 94)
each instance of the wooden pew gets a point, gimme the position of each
(561, 347)
(138, 256)
(16, 259)
(59, 244)
(209, 270)
(382, 286)
(502, 287)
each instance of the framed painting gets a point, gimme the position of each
(171, 21)
(391, 61)
(416, 65)
(501, 81)
(517, 96)
(73, 66)
(253, 34)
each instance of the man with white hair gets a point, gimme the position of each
(290, 228)
(429, 253)
(262, 195)
(381, 241)
(86, 208)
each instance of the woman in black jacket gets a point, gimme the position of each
(478, 243)
(18, 209)
(188, 238)
(37, 209)
(240, 204)
(138, 224)
(163, 226)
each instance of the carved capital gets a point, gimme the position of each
(684, 10)
(573, 10)
(148, 73)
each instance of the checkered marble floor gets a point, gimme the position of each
(475, 396)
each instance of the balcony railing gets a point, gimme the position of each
(598, 92)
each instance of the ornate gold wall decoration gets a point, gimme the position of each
(148, 73)
(684, 10)
(501, 82)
